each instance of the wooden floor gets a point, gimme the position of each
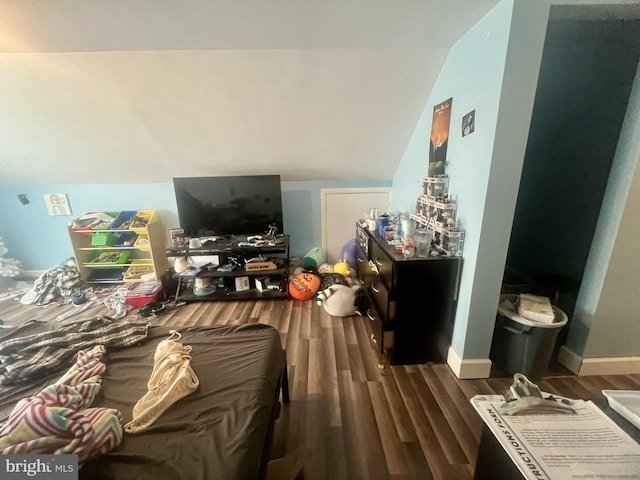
(360, 422)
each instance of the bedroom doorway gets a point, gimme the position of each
(586, 74)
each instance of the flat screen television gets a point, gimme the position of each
(230, 205)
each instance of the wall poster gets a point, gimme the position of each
(57, 204)
(439, 137)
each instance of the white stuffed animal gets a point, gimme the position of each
(340, 300)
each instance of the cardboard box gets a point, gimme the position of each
(242, 284)
(253, 266)
(262, 283)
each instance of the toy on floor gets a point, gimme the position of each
(348, 253)
(304, 286)
(341, 300)
(342, 267)
(329, 279)
(325, 268)
(314, 257)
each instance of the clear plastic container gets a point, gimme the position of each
(407, 226)
(409, 245)
(423, 243)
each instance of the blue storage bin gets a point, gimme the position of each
(123, 220)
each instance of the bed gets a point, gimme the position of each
(222, 431)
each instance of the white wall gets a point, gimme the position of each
(486, 71)
(145, 117)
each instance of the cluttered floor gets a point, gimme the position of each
(356, 420)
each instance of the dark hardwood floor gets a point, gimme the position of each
(360, 421)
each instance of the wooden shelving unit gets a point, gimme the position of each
(145, 255)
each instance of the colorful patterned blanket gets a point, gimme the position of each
(59, 420)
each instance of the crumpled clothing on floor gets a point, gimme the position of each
(56, 282)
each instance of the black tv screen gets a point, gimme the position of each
(232, 205)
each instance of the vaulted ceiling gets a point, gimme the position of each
(125, 91)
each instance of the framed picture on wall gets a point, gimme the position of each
(177, 237)
(439, 139)
(468, 123)
(57, 204)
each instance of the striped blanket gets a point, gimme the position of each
(41, 354)
(58, 419)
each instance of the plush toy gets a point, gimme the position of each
(348, 253)
(329, 279)
(325, 268)
(340, 300)
(342, 267)
(304, 286)
(314, 257)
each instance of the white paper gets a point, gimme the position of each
(587, 445)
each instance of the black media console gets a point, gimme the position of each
(246, 269)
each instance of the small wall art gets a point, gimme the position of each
(468, 123)
(57, 204)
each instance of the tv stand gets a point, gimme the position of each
(244, 282)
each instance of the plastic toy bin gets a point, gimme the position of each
(93, 221)
(138, 268)
(123, 220)
(107, 258)
(103, 239)
(521, 345)
(143, 293)
(142, 219)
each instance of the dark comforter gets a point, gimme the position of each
(216, 433)
(219, 432)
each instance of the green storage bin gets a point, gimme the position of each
(101, 258)
(103, 239)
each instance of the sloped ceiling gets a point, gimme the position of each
(124, 91)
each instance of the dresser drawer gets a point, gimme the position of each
(380, 296)
(376, 328)
(363, 269)
(383, 265)
(382, 339)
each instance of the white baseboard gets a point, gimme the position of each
(598, 365)
(467, 369)
(610, 366)
(569, 359)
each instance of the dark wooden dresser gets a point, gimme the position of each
(411, 301)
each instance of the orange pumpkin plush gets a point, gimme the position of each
(304, 286)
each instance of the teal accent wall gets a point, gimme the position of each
(40, 241)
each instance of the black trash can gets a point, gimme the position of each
(521, 345)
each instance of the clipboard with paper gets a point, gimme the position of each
(571, 443)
